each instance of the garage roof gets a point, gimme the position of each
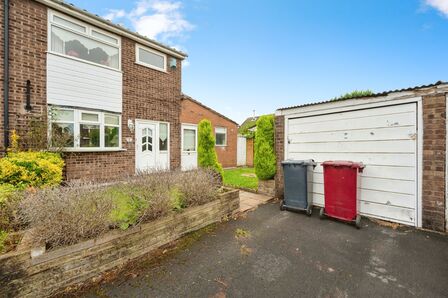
(383, 93)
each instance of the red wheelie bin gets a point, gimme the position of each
(340, 191)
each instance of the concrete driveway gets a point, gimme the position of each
(269, 253)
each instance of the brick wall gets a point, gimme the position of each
(434, 155)
(250, 152)
(279, 153)
(28, 44)
(147, 94)
(193, 113)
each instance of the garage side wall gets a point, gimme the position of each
(279, 153)
(434, 159)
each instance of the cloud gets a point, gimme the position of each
(156, 19)
(440, 5)
(114, 14)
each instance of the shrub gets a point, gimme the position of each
(127, 208)
(198, 187)
(37, 169)
(207, 157)
(264, 159)
(9, 207)
(3, 236)
(354, 94)
(67, 215)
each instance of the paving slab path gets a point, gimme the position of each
(269, 253)
(250, 200)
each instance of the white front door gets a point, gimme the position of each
(189, 155)
(146, 146)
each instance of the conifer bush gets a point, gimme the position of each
(264, 159)
(207, 157)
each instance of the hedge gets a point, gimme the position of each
(264, 159)
(36, 169)
(207, 157)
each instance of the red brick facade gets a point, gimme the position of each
(147, 94)
(193, 112)
(250, 152)
(279, 137)
(434, 161)
(28, 46)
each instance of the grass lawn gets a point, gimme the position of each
(241, 177)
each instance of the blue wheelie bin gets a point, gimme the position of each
(295, 174)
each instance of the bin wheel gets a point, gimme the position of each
(309, 210)
(282, 207)
(358, 221)
(322, 213)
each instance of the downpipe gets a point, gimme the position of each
(6, 74)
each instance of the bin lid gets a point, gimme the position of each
(343, 163)
(306, 162)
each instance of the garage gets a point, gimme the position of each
(384, 138)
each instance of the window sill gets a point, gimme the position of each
(220, 145)
(151, 67)
(94, 150)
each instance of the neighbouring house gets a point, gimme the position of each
(246, 134)
(399, 135)
(225, 130)
(114, 93)
(246, 140)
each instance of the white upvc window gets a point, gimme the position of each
(85, 130)
(221, 136)
(150, 58)
(80, 41)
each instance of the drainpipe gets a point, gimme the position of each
(6, 74)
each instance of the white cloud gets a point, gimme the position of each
(114, 14)
(185, 63)
(440, 5)
(157, 19)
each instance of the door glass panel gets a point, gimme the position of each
(150, 147)
(144, 147)
(189, 140)
(163, 137)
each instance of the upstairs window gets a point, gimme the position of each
(221, 136)
(150, 58)
(77, 40)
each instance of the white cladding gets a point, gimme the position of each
(79, 84)
(383, 138)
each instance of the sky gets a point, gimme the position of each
(246, 55)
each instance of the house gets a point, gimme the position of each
(246, 133)
(246, 137)
(224, 128)
(115, 95)
(400, 136)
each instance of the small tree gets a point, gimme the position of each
(264, 159)
(207, 157)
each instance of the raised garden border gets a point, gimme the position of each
(55, 270)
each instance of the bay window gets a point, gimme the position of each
(75, 39)
(84, 130)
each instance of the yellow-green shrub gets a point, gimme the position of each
(36, 169)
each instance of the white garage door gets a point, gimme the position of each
(384, 139)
